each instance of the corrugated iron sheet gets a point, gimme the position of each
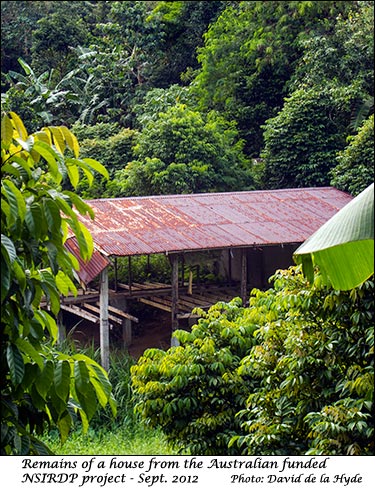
(160, 224)
(87, 270)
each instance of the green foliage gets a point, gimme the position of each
(303, 140)
(53, 39)
(123, 434)
(41, 385)
(18, 21)
(100, 131)
(183, 25)
(192, 391)
(355, 168)
(250, 55)
(343, 247)
(111, 145)
(159, 100)
(36, 98)
(155, 267)
(120, 440)
(183, 151)
(127, 62)
(344, 55)
(291, 374)
(314, 364)
(333, 79)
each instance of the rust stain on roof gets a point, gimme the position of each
(90, 269)
(161, 224)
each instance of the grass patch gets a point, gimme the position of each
(122, 441)
(124, 435)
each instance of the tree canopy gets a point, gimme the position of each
(262, 66)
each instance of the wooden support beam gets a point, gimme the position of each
(123, 314)
(126, 328)
(61, 328)
(116, 278)
(244, 276)
(190, 284)
(230, 265)
(130, 275)
(67, 300)
(97, 310)
(156, 304)
(174, 281)
(76, 310)
(182, 271)
(104, 325)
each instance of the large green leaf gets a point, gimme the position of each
(15, 199)
(6, 130)
(64, 425)
(15, 364)
(62, 379)
(44, 381)
(28, 350)
(343, 248)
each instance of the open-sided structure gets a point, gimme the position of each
(249, 234)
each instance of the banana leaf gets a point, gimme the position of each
(343, 248)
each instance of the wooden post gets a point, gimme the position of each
(174, 306)
(126, 332)
(104, 325)
(116, 274)
(126, 329)
(190, 285)
(230, 266)
(61, 328)
(244, 276)
(183, 272)
(130, 275)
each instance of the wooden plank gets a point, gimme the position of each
(164, 300)
(158, 305)
(97, 310)
(182, 316)
(126, 286)
(123, 314)
(195, 300)
(67, 300)
(214, 298)
(174, 281)
(158, 285)
(76, 310)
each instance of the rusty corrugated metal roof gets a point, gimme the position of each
(87, 270)
(160, 224)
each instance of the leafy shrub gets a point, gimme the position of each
(184, 151)
(314, 364)
(291, 374)
(99, 131)
(40, 385)
(302, 141)
(114, 146)
(355, 169)
(192, 391)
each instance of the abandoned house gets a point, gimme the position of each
(244, 237)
